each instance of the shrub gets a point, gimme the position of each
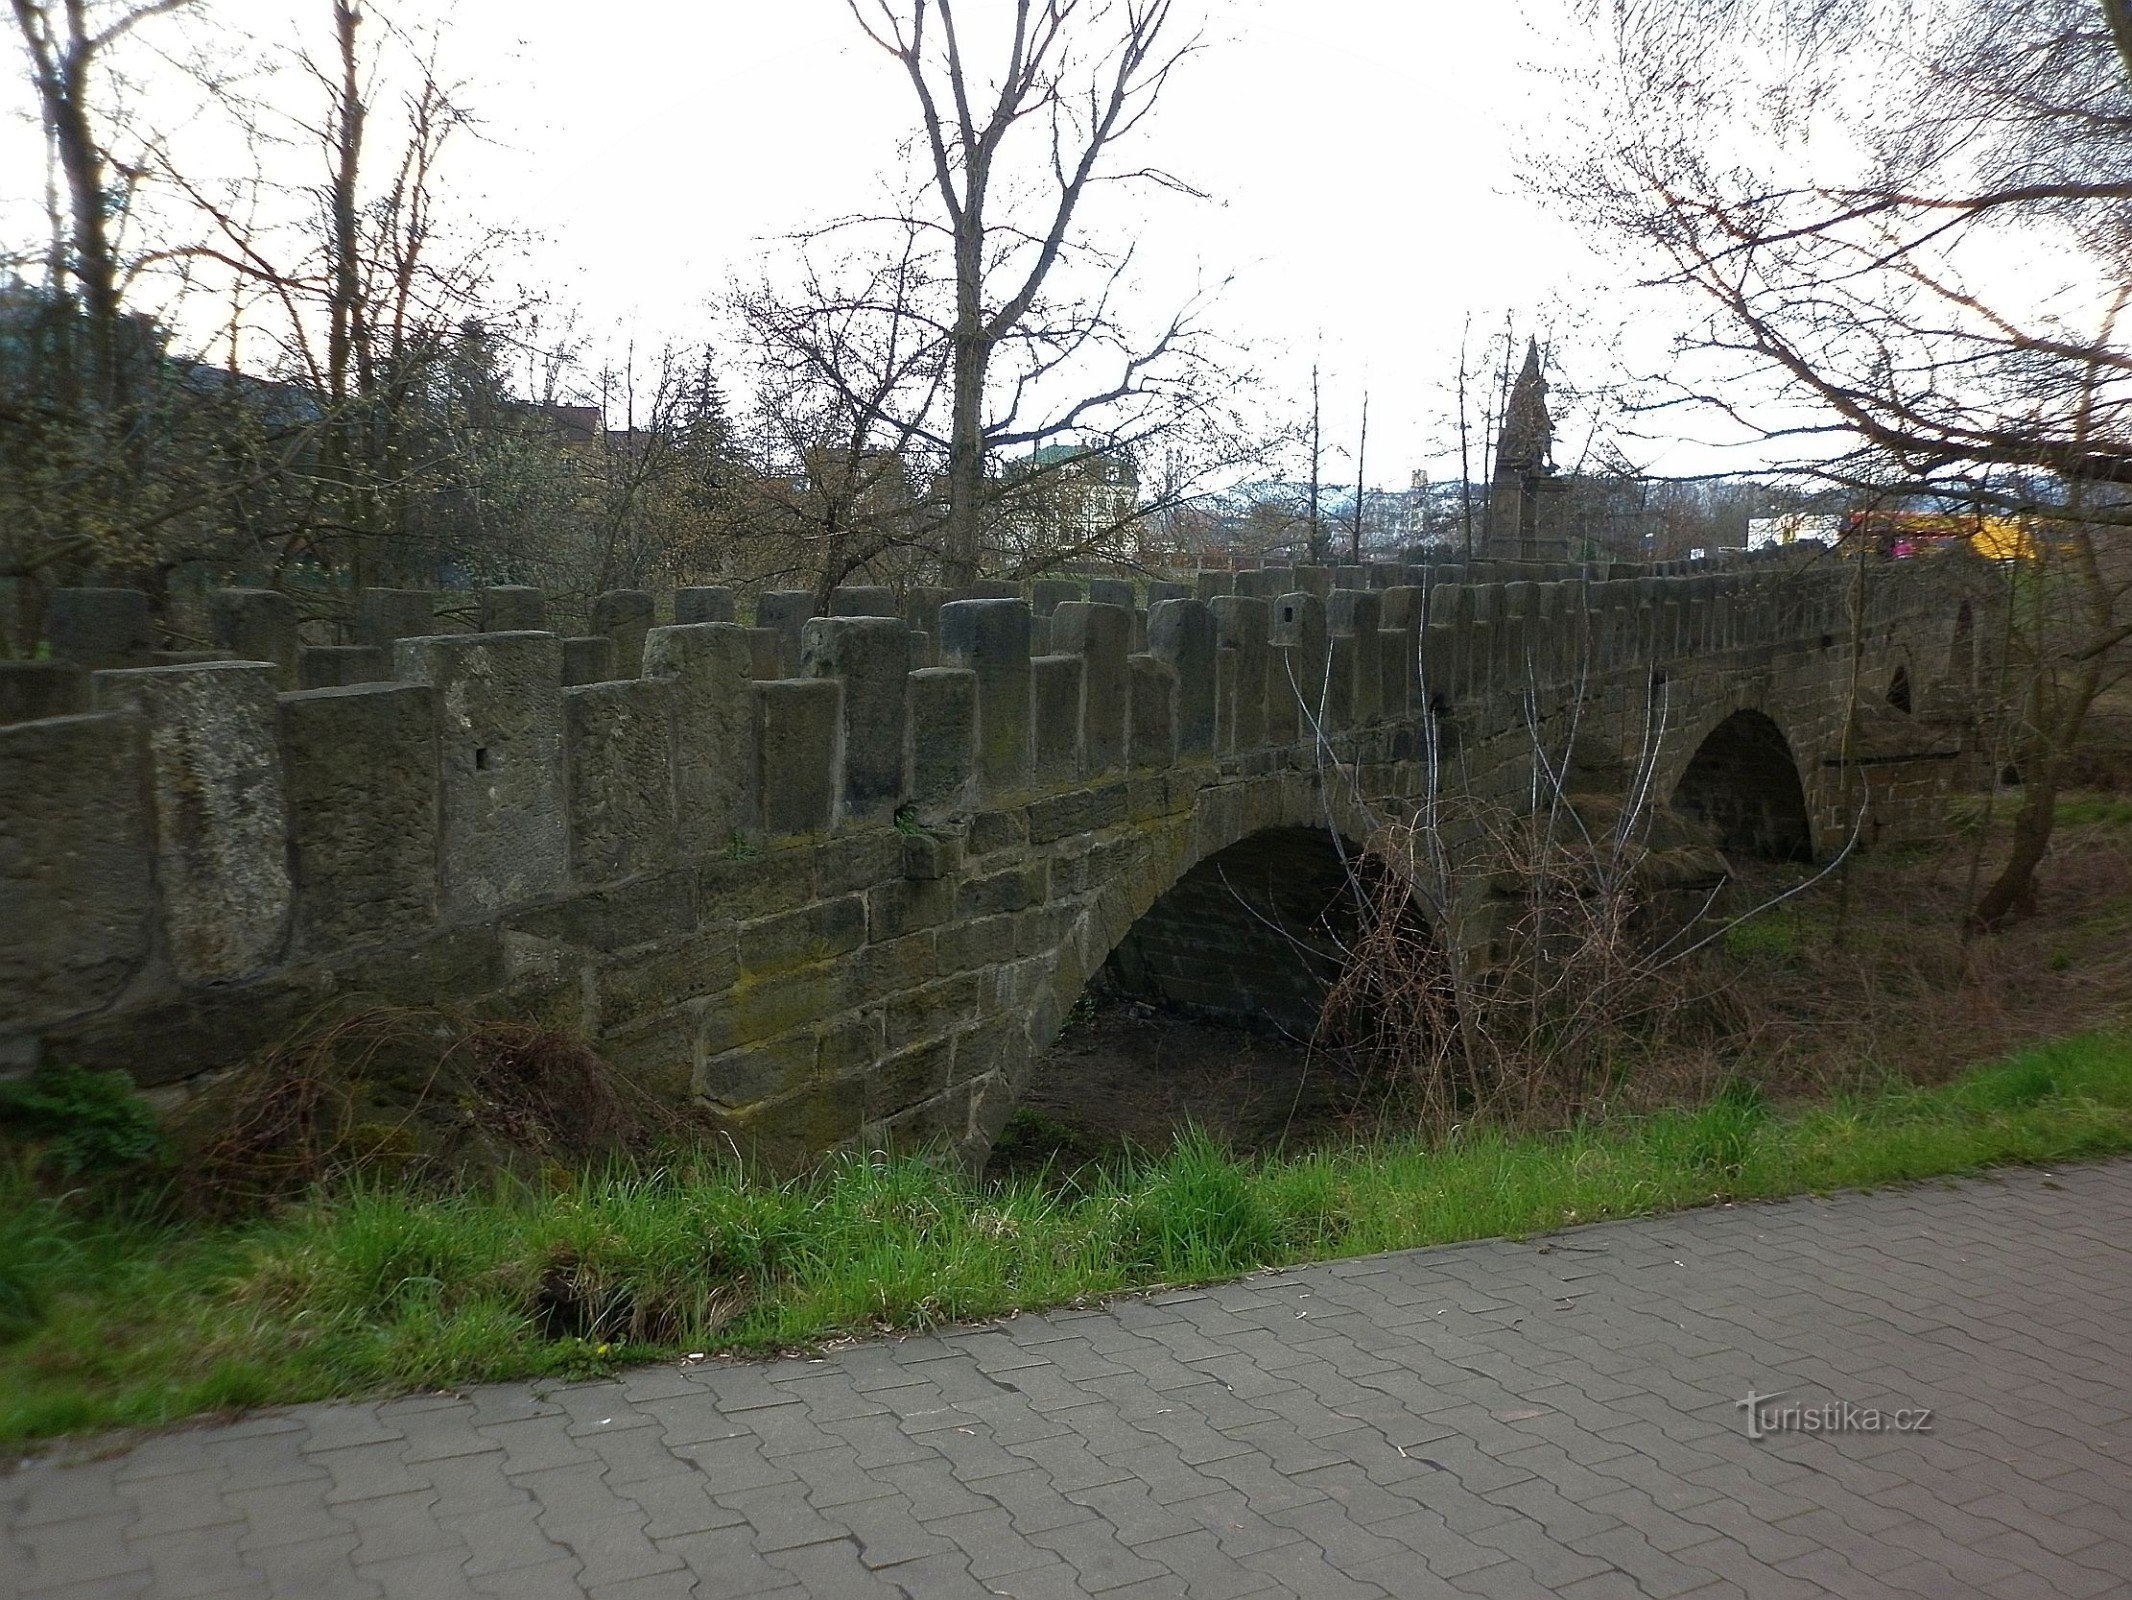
(80, 1122)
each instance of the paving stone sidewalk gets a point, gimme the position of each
(1553, 1418)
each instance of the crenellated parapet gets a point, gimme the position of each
(751, 859)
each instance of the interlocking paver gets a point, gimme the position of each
(1496, 1419)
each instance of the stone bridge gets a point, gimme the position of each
(841, 877)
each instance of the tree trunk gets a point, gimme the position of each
(966, 433)
(2013, 893)
(966, 464)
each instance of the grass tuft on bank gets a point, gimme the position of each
(112, 1315)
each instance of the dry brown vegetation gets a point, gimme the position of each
(416, 1095)
(1863, 980)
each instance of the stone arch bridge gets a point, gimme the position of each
(842, 877)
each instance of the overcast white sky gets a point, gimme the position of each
(1361, 156)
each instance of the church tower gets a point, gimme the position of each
(1518, 527)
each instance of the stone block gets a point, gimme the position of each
(819, 932)
(870, 654)
(383, 617)
(1442, 662)
(786, 611)
(1242, 627)
(216, 799)
(863, 600)
(1101, 635)
(625, 616)
(910, 1077)
(337, 666)
(100, 627)
(921, 608)
(359, 777)
(1181, 634)
(256, 625)
(1404, 606)
(1207, 585)
(510, 608)
(935, 1011)
(201, 1029)
(75, 865)
(1112, 592)
(858, 861)
(1151, 742)
(1015, 889)
(773, 1005)
(658, 977)
(991, 639)
(1055, 706)
(766, 654)
(739, 1078)
(659, 1053)
(942, 734)
(1301, 659)
(618, 749)
(799, 736)
(1396, 653)
(590, 659)
(708, 665)
(30, 691)
(895, 964)
(1337, 707)
(1162, 589)
(708, 603)
(928, 856)
(1356, 614)
(505, 835)
(1046, 595)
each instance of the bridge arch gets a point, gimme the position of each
(1257, 931)
(1247, 875)
(1901, 694)
(1743, 783)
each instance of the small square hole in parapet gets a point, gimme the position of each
(481, 758)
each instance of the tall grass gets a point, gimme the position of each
(109, 1316)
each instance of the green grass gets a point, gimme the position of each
(110, 1316)
(2094, 810)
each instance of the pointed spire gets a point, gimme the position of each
(1527, 440)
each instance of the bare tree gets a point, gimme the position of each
(81, 370)
(1082, 76)
(67, 44)
(1848, 241)
(1362, 453)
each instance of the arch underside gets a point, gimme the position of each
(1743, 785)
(1255, 932)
